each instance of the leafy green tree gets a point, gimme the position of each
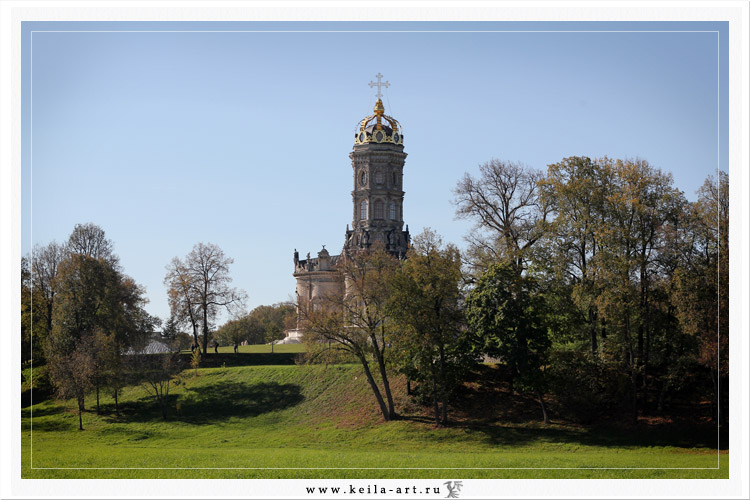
(170, 330)
(573, 190)
(506, 314)
(264, 324)
(607, 258)
(98, 314)
(425, 309)
(640, 203)
(233, 332)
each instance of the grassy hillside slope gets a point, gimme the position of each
(318, 421)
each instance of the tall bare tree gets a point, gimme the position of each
(91, 240)
(508, 210)
(200, 287)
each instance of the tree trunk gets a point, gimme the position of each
(716, 415)
(662, 394)
(81, 406)
(723, 402)
(644, 337)
(632, 368)
(205, 331)
(408, 386)
(544, 407)
(50, 309)
(375, 390)
(195, 335)
(443, 395)
(435, 400)
(97, 399)
(634, 390)
(444, 410)
(117, 407)
(387, 388)
(592, 331)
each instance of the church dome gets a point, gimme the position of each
(379, 128)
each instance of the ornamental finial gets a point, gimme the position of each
(379, 110)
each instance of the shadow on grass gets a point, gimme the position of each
(212, 403)
(488, 405)
(49, 424)
(39, 395)
(41, 412)
(620, 437)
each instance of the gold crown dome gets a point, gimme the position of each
(379, 128)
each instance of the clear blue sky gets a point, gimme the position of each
(242, 139)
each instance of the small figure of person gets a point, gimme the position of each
(216, 347)
(192, 348)
(235, 347)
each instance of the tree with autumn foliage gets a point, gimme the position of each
(634, 275)
(98, 314)
(700, 284)
(199, 287)
(426, 309)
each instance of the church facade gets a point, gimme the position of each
(377, 161)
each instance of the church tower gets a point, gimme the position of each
(377, 167)
(377, 199)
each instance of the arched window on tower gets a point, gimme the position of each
(379, 209)
(395, 178)
(363, 210)
(379, 177)
(392, 211)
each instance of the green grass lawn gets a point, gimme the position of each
(318, 421)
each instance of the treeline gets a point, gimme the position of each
(596, 282)
(80, 314)
(83, 318)
(262, 325)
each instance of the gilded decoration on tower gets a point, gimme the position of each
(373, 129)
